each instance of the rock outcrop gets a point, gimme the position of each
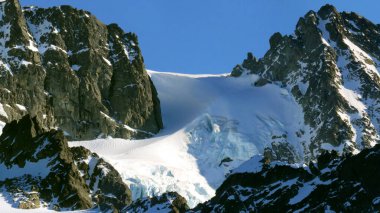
(340, 184)
(71, 71)
(168, 202)
(107, 188)
(38, 167)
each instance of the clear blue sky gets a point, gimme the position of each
(206, 36)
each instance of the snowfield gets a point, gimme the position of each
(213, 123)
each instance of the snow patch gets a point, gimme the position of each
(376, 201)
(2, 125)
(40, 168)
(363, 57)
(303, 192)
(21, 107)
(75, 67)
(352, 98)
(252, 165)
(107, 61)
(2, 111)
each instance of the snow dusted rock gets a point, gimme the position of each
(72, 71)
(334, 183)
(331, 67)
(106, 186)
(170, 202)
(32, 160)
(21, 74)
(30, 201)
(38, 168)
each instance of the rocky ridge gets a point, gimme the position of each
(348, 183)
(39, 169)
(71, 71)
(330, 65)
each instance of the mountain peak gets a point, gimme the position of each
(88, 79)
(327, 11)
(329, 49)
(275, 39)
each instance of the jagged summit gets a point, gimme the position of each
(72, 71)
(326, 10)
(331, 66)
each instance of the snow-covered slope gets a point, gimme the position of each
(213, 123)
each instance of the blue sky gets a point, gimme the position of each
(206, 36)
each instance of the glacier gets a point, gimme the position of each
(212, 124)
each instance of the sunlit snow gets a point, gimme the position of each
(208, 119)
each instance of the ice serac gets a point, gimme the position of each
(72, 71)
(39, 169)
(331, 66)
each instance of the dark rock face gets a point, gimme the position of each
(23, 144)
(70, 70)
(348, 184)
(21, 75)
(168, 202)
(39, 163)
(105, 183)
(331, 67)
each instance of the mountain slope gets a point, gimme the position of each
(333, 183)
(313, 91)
(330, 65)
(72, 71)
(212, 125)
(39, 169)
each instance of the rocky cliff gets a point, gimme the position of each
(39, 169)
(330, 65)
(71, 71)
